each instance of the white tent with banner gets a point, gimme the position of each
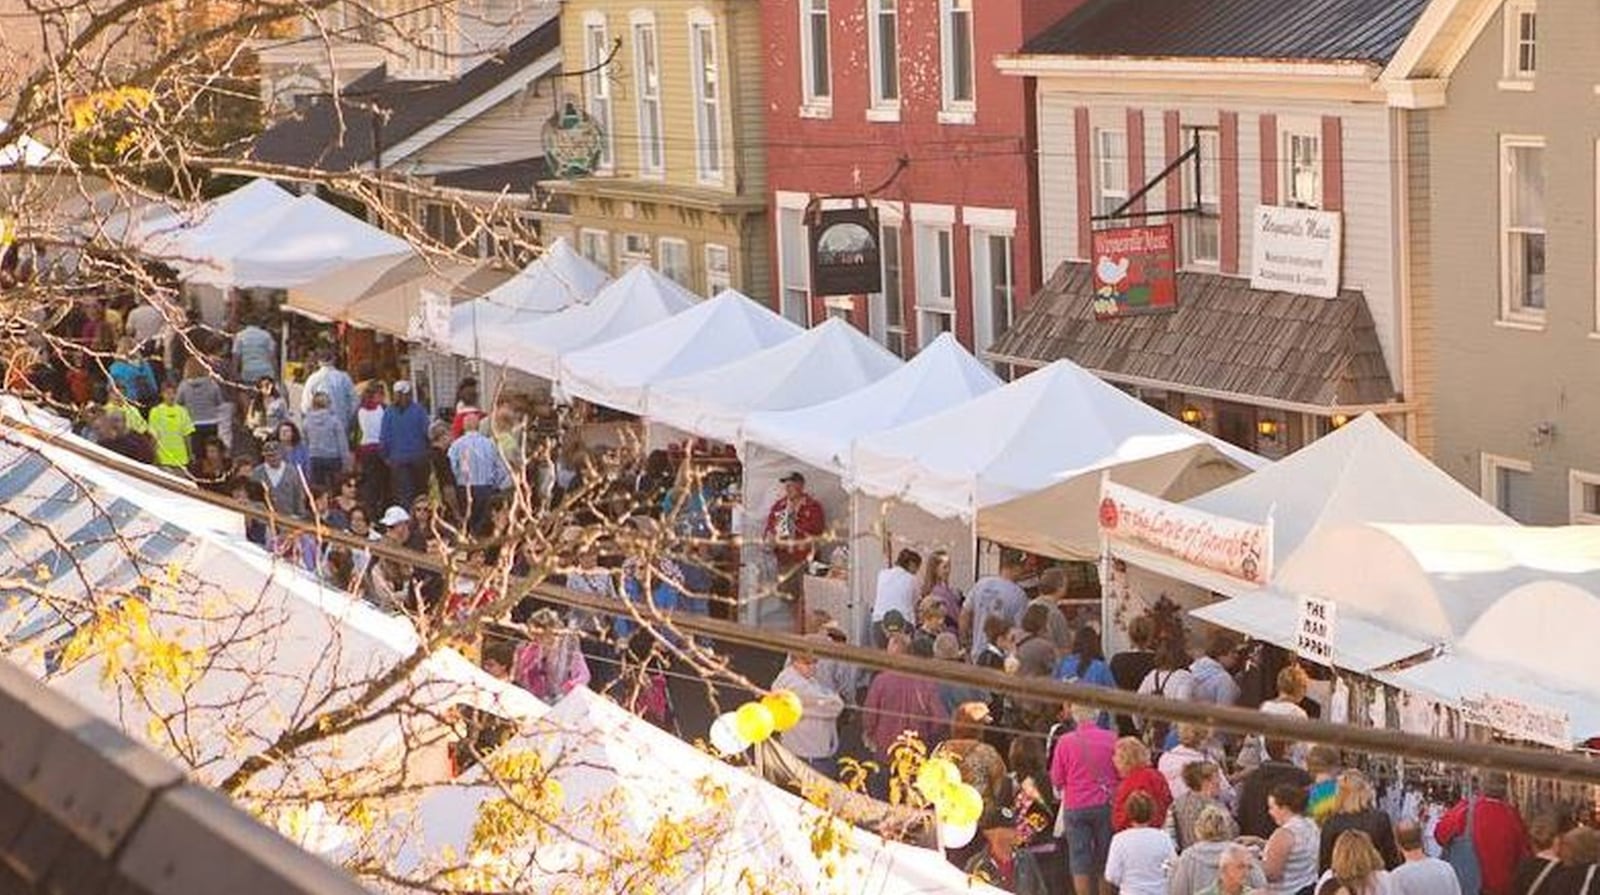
(816, 441)
(635, 300)
(628, 790)
(618, 373)
(289, 246)
(818, 365)
(558, 279)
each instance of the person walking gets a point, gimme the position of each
(815, 737)
(1237, 873)
(369, 450)
(1202, 790)
(200, 394)
(328, 379)
(935, 582)
(255, 354)
(1421, 874)
(480, 475)
(1135, 775)
(896, 592)
(1000, 863)
(327, 442)
(794, 523)
(995, 595)
(1356, 866)
(1254, 811)
(898, 703)
(1484, 839)
(145, 323)
(550, 665)
(285, 493)
(172, 430)
(1052, 591)
(1355, 807)
(1290, 856)
(266, 411)
(1201, 863)
(1082, 770)
(131, 374)
(1139, 855)
(403, 443)
(1213, 672)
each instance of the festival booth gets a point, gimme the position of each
(635, 800)
(204, 645)
(398, 295)
(288, 246)
(816, 441)
(556, 280)
(1022, 466)
(617, 374)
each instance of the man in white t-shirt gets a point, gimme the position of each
(1420, 874)
(897, 591)
(994, 595)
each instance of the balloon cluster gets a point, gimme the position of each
(957, 806)
(755, 722)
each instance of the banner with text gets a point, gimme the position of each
(1314, 639)
(1135, 271)
(1297, 250)
(1534, 723)
(1240, 550)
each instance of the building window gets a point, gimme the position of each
(794, 266)
(596, 246)
(1302, 167)
(633, 248)
(1111, 170)
(1583, 498)
(708, 100)
(1508, 484)
(814, 49)
(1522, 43)
(955, 43)
(883, 41)
(719, 269)
(1522, 228)
(993, 285)
(892, 299)
(1202, 241)
(597, 83)
(647, 84)
(936, 298)
(672, 259)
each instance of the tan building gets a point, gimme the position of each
(675, 85)
(1506, 257)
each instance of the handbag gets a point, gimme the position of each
(1462, 855)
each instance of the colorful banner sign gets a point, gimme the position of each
(1135, 271)
(845, 258)
(1297, 250)
(1240, 550)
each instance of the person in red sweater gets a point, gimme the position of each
(1132, 760)
(1498, 836)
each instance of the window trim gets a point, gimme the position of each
(626, 258)
(814, 104)
(700, 21)
(1509, 312)
(1577, 480)
(713, 289)
(980, 231)
(637, 20)
(951, 109)
(598, 87)
(926, 234)
(1512, 75)
(893, 221)
(1489, 466)
(1209, 186)
(881, 107)
(688, 260)
(603, 238)
(1288, 129)
(787, 208)
(1100, 190)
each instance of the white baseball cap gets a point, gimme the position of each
(394, 516)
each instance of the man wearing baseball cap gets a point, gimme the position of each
(1001, 864)
(403, 442)
(794, 523)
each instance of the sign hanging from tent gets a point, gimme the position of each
(1534, 723)
(1314, 637)
(1135, 271)
(430, 325)
(1240, 550)
(845, 257)
(1297, 250)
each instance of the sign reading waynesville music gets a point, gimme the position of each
(1240, 550)
(1297, 250)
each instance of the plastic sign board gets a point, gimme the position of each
(1135, 271)
(430, 325)
(1240, 550)
(1534, 723)
(1297, 250)
(1313, 639)
(845, 257)
(573, 142)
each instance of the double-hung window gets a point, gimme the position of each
(597, 83)
(1521, 45)
(707, 98)
(719, 269)
(1507, 482)
(883, 42)
(1202, 242)
(936, 294)
(1111, 170)
(817, 70)
(993, 284)
(1302, 166)
(956, 60)
(794, 262)
(596, 246)
(893, 296)
(634, 249)
(672, 259)
(1522, 229)
(647, 86)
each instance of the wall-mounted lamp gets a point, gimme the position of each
(1191, 415)
(1339, 419)
(1267, 428)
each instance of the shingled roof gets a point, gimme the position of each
(312, 137)
(1320, 30)
(1224, 337)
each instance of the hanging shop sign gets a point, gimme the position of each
(1240, 550)
(430, 325)
(1314, 637)
(1135, 271)
(1297, 250)
(845, 257)
(1534, 723)
(573, 142)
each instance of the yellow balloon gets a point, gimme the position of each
(935, 777)
(785, 708)
(963, 805)
(753, 722)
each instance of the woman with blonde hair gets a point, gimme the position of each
(1357, 867)
(1199, 861)
(1132, 760)
(1355, 807)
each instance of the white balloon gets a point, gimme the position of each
(956, 835)
(725, 737)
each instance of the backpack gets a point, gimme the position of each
(1462, 855)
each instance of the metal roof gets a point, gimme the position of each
(1312, 30)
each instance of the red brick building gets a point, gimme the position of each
(900, 99)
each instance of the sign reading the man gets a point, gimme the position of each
(845, 259)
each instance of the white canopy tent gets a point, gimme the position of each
(637, 299)
(558, 279)
(1022, 464)
(187, 234)
(624, 784)
(617, 373)
(23, 151)
(290, 246)
(818, 365)
(387, 293)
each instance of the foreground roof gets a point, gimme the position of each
(1321, 30)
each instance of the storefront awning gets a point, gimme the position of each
(1225, 338)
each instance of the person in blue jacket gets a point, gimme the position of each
(403, 443)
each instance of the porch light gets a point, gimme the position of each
(1191, 415)
(1267, 428)
(1339, 419)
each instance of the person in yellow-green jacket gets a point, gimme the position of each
(171, 428)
